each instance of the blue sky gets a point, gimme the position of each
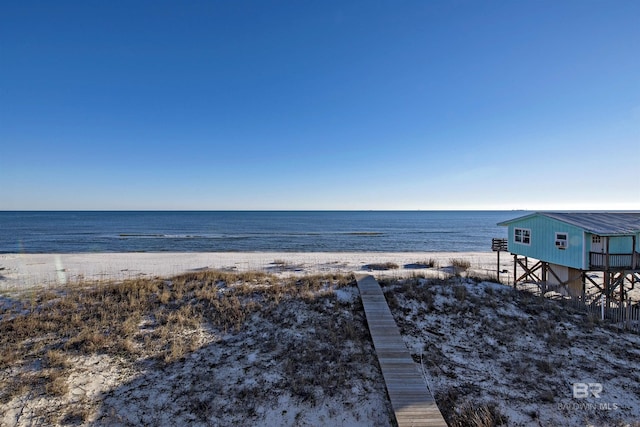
(320, 104)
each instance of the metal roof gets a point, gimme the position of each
(601, 223)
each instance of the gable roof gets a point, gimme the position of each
(601, 223)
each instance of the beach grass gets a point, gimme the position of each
(108, 318)
(381, 266)
(162, 321)
(460, 264)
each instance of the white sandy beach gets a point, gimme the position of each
(29, 270)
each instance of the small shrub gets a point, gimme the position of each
(432, 263)
(8, 357)
(428, 263)
(542, 326)
(478, 416)
(382, 266)
(175, 352)
(547, 396)
(57, 385)
(544, 366)
(460, 264)
(460, 293)
(164, 296)
(57, 359)
(392, 300)
(487, 277)
(77, 416)
(87, 341)
(558, 338)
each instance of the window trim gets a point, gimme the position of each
(522, 236)
(562, 236)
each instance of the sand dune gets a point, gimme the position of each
(302, 355)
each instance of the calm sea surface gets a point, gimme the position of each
(287, 231)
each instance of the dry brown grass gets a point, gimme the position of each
(57, 359)
(56, 384)
(151, 318)
(477, 416)
(425, 263)
(460, 264)
(460, 292)
(382, 266)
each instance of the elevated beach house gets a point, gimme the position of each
(571, 248)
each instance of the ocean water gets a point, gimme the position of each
(264, 231)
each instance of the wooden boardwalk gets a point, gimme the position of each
(412, 402)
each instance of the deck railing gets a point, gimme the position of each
(601, 261)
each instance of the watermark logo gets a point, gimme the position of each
(585, 390)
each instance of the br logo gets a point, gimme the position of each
(584, 390)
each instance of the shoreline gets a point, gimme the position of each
(32, 270)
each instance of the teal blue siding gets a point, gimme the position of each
(620, 244)
(543, 238)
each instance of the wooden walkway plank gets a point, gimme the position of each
(412, 402)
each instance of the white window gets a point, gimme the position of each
(596, 239)
(562, 240)
(522, 235)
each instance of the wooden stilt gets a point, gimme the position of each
(515, 270)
